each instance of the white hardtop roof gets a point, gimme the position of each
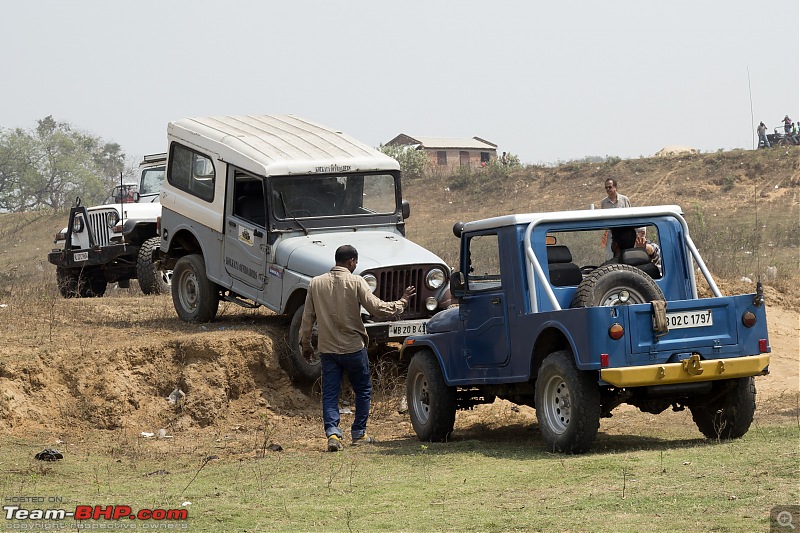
(279, 145)
(580, 215)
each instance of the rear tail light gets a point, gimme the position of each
(762, 345)
(604, 360)
(616, 331)
(749, 319)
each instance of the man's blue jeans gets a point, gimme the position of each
(333, 369)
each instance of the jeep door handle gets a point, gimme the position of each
(258, 233)
(496, 301)
(231, 223)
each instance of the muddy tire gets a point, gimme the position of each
(67, 282)
(301, 370)
(730, 416)
(431, 403)
(91, 284)
(151, 280)
(195, 297)
(77, 283)
(567, 404)
(616, 285)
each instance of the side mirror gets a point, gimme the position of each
(457, 283)
(406, 209)
(458, 229)
(136, 196)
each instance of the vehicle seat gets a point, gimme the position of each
(250, 205)
(638, 257)
(563, 272)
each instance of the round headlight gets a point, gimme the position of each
(435, 278)
(77, 224)
(112, 218)
(372, 281)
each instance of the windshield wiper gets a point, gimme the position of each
(286, 212)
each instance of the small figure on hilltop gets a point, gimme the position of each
(613, 198)
(787, 125)
(795, 136)
(762, 135)
(504, 159)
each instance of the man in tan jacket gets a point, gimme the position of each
(334, 301)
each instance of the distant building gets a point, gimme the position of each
(452, 152)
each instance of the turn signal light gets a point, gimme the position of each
(408, 342)
(749, 319)
(616, 331)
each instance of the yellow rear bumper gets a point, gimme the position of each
(686, 371)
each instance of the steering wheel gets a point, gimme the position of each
(309, 205)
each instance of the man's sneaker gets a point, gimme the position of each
(334, 443)
(363, 439)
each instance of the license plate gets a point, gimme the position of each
(80, 256)
(690, 319)
(404, 329)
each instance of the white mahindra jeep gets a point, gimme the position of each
(255, 206)
(114, 242)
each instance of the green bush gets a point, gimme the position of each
(412, 161)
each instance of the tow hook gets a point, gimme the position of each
(692, 365)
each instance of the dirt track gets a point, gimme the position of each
(73, 367)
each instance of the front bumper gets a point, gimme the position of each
(687, 371)
(92, 256)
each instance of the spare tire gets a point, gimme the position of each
(616, 285)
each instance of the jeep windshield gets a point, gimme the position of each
(332, 195)
(152, 178)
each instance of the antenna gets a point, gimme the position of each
(759, 297)
(121, 206)
(752, 120)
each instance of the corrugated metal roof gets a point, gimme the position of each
(281, 143)
(444, 142)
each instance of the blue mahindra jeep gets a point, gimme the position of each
(547, 318)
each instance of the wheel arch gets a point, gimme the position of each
(551, 339)
(295, 300)
(408, 351)
(184, 242)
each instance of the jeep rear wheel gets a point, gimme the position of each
(195, 297)
(729, 416)
(431, 403)
(301, 369)
(567, 404)
(151, 280)
(616, 285)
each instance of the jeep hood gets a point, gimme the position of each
(313, 255)
(137, 211)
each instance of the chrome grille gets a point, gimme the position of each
(98, 222)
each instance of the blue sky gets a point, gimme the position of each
(547, 81)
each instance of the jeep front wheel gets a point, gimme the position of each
(67, 282)
(567, 404)
(151, 280)
(195, 297)
(730, 416)
(431, 403)
(301, 369)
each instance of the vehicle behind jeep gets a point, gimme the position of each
(255, 206)
(115, 242)
(547, 319)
